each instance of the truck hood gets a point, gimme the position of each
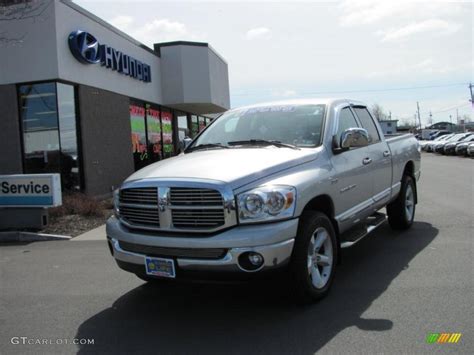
(235, 166)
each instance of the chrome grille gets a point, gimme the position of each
(197, 218)
(142, 196)
(140, 216)
(184, 196)
(176, 209)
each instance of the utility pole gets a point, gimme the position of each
(431, 118)
(451, 118)
(472, 95)
(418, 112)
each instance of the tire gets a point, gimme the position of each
(312, 275)
(401, 212)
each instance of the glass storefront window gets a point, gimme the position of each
(194, 126)
(139, 149)
(202, 123)
(183, 130)
(48, 116)
(69, 157)
(154, 133)
(167, 127)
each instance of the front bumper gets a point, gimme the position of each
(273, 241)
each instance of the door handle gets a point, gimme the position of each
(366, 161)
(386, 153)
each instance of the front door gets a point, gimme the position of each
(352, 182)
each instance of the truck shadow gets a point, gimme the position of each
(256, 318)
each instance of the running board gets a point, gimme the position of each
(356, 234)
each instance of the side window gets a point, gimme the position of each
(367, 123)
(346, 120)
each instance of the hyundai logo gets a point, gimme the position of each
(84, 47)
(87, 50)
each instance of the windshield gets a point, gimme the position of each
(298, 125)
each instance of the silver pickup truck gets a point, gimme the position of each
(281, 186)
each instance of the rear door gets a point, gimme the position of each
(378, 159)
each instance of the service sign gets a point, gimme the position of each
(30, 190)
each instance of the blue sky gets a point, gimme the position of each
(394, 53)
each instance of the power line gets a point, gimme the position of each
(450, 108)
(363, 91)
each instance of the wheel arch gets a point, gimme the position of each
(324, 203)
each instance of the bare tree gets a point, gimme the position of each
(17, 10)
(378, 112)
(466, 118)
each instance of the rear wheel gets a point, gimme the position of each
(314, 257)
(401, 212)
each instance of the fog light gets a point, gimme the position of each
(255, 259)
(251, 261)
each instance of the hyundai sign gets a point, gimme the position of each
(34, 190)
(86, 49)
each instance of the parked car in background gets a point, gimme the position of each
(439, 148)
(461, 148)
(429, 146)
(439, 134)
(450, 148)
(470, 150)
(267, 187)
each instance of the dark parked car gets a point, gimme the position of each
(439, 148)
(430, 146)
(461, 148)
(470, 150)
(450, 148)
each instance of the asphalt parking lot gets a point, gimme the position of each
(391, 291)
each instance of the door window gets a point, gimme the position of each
(367, 123)
(346, 120)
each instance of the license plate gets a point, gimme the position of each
(160, 267)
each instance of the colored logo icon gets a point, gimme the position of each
(442, 338)
(84, 47)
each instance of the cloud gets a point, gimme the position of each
(441, 27)
(162, 30)
(122, 22)
(428, 66)
(155, 31)
(259, 33)
(284, 93)
(366, 12)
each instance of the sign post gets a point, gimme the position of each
(25, 197)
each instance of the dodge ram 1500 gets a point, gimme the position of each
(279, 186)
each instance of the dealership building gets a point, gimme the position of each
(81, 98)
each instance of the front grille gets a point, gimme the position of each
(180, 209)
(198, 218)
(140, 216)
(208, 253)
(142, 196)
(184, 196)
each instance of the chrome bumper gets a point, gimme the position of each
(273, 241)
(275, 255)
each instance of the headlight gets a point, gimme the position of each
(266, 203)
(116, 202)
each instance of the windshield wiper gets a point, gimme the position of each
(263, 142)
(205, 146)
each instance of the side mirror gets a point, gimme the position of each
(184, 143)
(352, 138)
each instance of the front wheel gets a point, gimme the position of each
(401, 212)
(314, 257)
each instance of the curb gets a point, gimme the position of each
(16, 236)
